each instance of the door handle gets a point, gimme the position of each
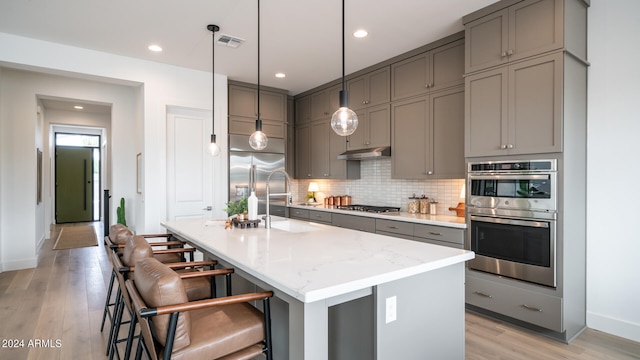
(208, 208)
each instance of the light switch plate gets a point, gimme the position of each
(391, 309)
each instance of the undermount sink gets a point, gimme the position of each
(295, 226)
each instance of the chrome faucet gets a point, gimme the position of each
(287, 193)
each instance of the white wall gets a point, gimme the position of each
(138, 126)
(613, 240)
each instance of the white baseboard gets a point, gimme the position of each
(19, 264)
(617, 327)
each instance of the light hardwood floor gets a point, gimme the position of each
(61, 301)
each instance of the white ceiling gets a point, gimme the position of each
(301, 38)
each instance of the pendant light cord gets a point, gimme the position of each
(343, 85)
(213, 84)
(259, 121)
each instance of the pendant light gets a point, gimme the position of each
(258, 140)
(344, 121)
(214, 149)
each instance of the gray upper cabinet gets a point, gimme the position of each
(525, 29)
(428, 136)
(434, 70)
(515, 109)
(325, 102)
(303, 109)
(374, 128)
(303, 151)
(243, 110)
(370, 89)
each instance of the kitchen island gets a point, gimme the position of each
(343, 293)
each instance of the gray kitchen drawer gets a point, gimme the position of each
(354, 222)
(279, 210)
(320, 216)
(522, 304)
(438, 242)
(299, 214)
(439, 233)
(395, 227)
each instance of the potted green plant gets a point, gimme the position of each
(238, 208)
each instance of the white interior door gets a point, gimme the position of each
(189, 166)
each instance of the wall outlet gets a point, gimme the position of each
(391, 309)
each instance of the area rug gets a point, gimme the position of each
(75, 237)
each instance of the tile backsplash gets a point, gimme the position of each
(376, 187)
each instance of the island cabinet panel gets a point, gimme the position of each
(374, 128)
(427, 136)
(434, 70)
(354, 222)
(530, 306)
(320, 216)
(370, 89)
(516, 109)
(439, 235)
(243, 110)
(528, 28)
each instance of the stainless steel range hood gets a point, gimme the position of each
(365, 154)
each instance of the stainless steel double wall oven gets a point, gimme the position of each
(511, 219)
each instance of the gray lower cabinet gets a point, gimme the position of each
(320, 216)
(515, 109)
(301, 214)
(354, 222)
(279, 210)
(427, 136)
(395, 228)
(439, 235)
(530, 306)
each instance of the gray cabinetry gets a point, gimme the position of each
(243, 110)
(324, 102)
(516, 109)
(394, 228)
(301, 214)
(439, 235)
(434, 70)
(527, 28)
(428, 136)
(374, 128)
(354, 222)
(303, 109)
(369, 89)
(530, 306)
(317, 150)
(320, 216)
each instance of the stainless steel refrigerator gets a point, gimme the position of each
(241, 159)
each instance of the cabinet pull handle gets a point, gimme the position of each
(429, 172)
(392, 227)
(435, 233)
(483, 294)
(532, 308)
(510, 146)
(510, 52)
(504, 54)
(503, 146)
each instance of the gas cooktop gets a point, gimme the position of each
(370, 208)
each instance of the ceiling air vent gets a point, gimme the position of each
(230, 41)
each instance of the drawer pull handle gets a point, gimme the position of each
(435, 233)
(483, 294)
(392, 227)
(532, 308)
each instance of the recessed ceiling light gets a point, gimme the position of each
(360, 33)
(78, 107)
(155, 48)
(280, 75)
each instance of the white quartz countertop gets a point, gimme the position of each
(312, 262)
(439, 220)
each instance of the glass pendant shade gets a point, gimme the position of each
(258, 140)
(213, 148)
(344, 121)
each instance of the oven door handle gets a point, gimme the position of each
(510, 177)
(530, 223)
